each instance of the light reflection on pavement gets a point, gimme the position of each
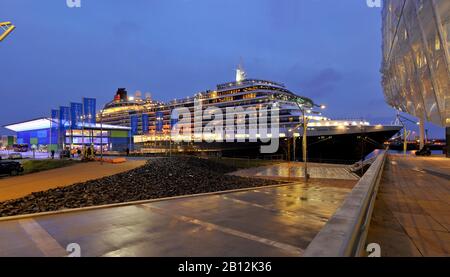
(270, 221)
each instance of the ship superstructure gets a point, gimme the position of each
(329, 139)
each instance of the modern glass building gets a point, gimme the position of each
(416, 47)
(41, 133)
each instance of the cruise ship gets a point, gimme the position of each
(331, 141)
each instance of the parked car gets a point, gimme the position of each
(64, 154)
(425, 151)
(10, 167)
(15, 156)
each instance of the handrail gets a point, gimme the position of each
(345, 233)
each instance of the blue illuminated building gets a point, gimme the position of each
(38, 132)
(71, 127)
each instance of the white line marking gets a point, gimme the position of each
(310, 215)
(43, 240)
(286, 247)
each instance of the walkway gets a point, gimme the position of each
(16, 187)
(295, 171)
(412, 211)
(269, 221)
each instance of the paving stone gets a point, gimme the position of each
(412, 214)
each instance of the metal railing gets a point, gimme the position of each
(345, 233)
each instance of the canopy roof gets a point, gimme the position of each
(45, 123)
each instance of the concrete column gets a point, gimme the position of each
(422, 132)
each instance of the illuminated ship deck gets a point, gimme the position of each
(152, 122)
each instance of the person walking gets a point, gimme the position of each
(53, 154)
(89, 152)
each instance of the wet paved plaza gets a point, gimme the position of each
(295, 171)
(270, 221)
(412, 210)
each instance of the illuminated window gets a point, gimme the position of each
(437, 44)
(226, 99)
(249, 96)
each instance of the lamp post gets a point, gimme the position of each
(82, 133)
(304, 145)
(305, 120)
(131, 134)
(101, 137)
(49, 148)
(91, 134)
(293, 145)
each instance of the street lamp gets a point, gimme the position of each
(131, 134)
(101, 137)
(305, 120)
(49, 148)
(91, 136)
(82, 117)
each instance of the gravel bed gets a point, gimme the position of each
(163, 177)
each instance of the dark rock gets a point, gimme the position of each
(159, 178)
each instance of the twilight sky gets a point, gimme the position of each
(324, 49)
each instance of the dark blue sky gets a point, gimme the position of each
(325, 49)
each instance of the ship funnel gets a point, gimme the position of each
(148, 96)
(137, 94)
(121, 94)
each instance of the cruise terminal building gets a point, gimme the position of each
(40, 133)
(70, 127)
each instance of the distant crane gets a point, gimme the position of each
(5, 29)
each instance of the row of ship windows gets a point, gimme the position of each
(167, 116)
(236, 123)
(226, 85)
(253, 88)
(241, 100)
(261, 102)
(250, 99)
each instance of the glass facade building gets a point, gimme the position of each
(416, 47)
(39, 132)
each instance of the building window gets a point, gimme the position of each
(437, 44)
